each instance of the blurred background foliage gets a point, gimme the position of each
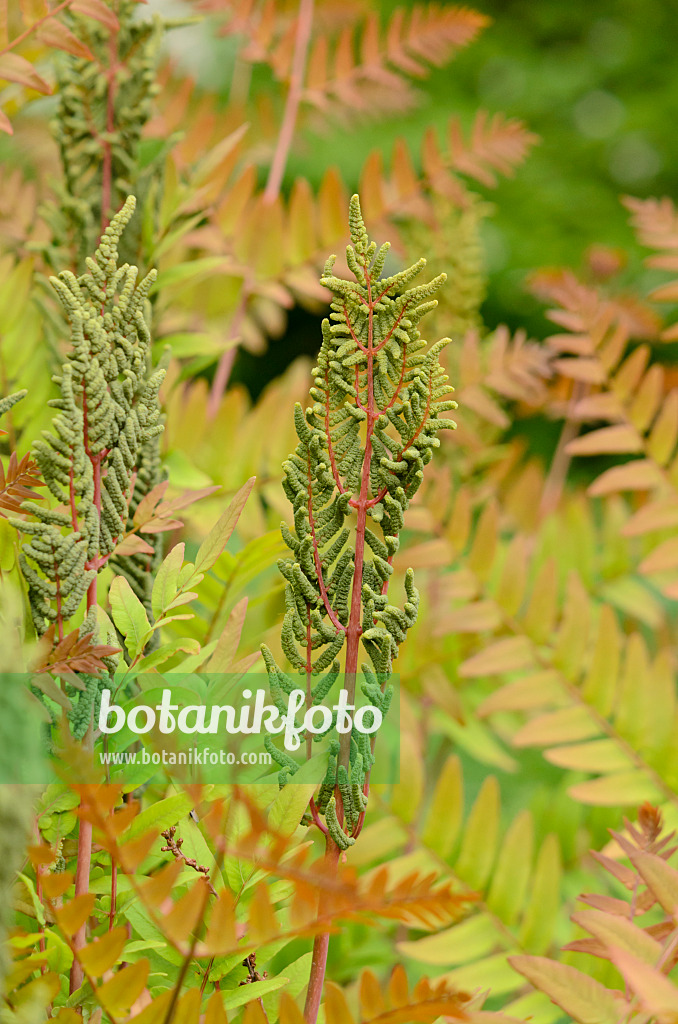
(595, 85)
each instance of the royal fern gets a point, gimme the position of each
(373, 374)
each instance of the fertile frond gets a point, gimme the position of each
(107, 413)
(98, 127)
(380, 400)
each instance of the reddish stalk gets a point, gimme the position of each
(71, 496)
(114, 895)
(272, 189)
(302, 38)
(107, 164)
(36, 24)
(60, 620)
(221, 376)
(225, 365)
(94, 563)
(82, 882)
(316, 817)
(321, 943)
(560, 464)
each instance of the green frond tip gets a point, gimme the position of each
(10, 400)
(357, 226)
(108, 246)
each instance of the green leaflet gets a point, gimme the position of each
(129, 615)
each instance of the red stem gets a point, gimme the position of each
(328, 432)
(223, 371)
(221, 377)
(93, 563)
(107, 166)
(316, 817)
(36, 24)
(82, 884)
(303, 35)
(114, 895)
(71, 496)
(60, 621)
(322, 942)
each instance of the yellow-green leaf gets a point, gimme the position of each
(639, 475)
(576, 993)
(617, 440)
(129, 615)
(480, 558)
(407, 794)
(600, 683)
(216, 540)
(574, 629)
(614, 930)
(660, 878)
(536, 690)
(446, 811)
(604, 755)
(536, 932)
(460, 944)
(508, 655)
(662, 440)
(625, 789)
(563, 726)
(513, 868)
(479, 842)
